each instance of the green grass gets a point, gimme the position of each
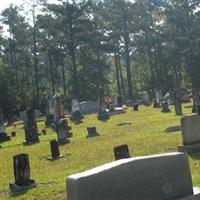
(144, 136)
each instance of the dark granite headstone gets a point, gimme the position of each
(63, 131)
(21, 173)
(135, 107)
(49, 120)
(13, 133)
(44, 131)
(103, 115)
(165, 107)
(55, 152)
(92, 132)
(121, 152)
(30, 126)
(77, 116)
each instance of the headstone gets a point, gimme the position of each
(87, 107)
(160, 177)
(59, 111)
(44, 131)
(103, 115)
(92, 132)
(30, 126)
(135, 107)
(62, 131)
(50, 106)
(76, 114)
(178, 107)
(146, 100)
(13, 133)
(77, 117)
(196, 100)
(50, 111)
(165, 107)
(75, 105)
(22, 173)
(190, 126)
(158, 96)
(49, 120)
(55, 152)
(121, 152)
(3, 136)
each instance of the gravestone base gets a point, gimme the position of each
(18, 188)
(52, 159)
(4, 137)
(189, 148)
(13, 134)
(94, 135)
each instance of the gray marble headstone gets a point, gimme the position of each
(190, 126)
(160, 177)
(30, 127)
(87, 107)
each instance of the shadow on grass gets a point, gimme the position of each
(195, 156)
(188, 107)
(14, 145)
(16, 194)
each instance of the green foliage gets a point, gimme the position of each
(124, 47)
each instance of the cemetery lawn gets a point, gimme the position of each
(144, 136)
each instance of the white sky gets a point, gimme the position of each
(5, 3)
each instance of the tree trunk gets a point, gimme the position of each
(51, 73)
(35, 62)
(128, 70)
(117, 75)
(75, 88)
(121, 77)
(15, 64)
(63, 79)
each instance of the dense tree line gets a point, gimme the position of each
(82, 48)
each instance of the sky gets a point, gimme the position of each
(5, 3)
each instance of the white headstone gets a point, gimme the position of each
(75, 105)
(88, 107)
(158, 96)
(50, 106)
(190, 126)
